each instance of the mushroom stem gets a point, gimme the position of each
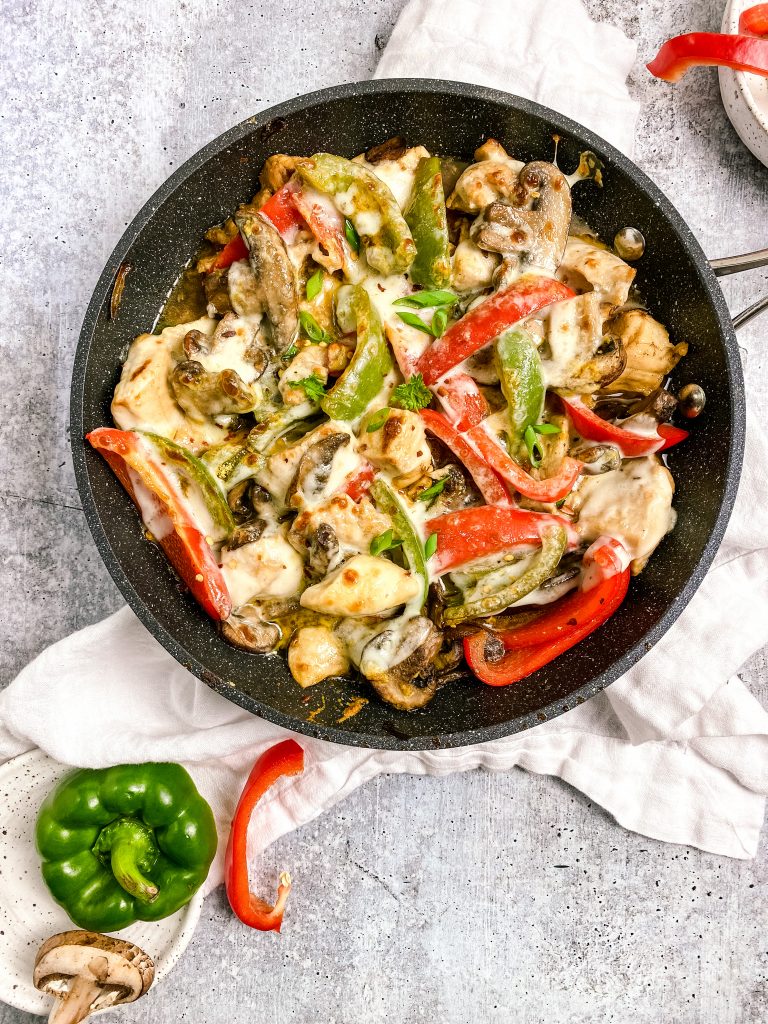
(75, 1005)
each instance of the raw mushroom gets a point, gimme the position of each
(399, 665)
(538, 235)
(275, 276)
(88, 972)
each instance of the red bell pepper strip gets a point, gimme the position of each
(489, 485)
(551, 489)
(361, 482)
(754, 21)
(705, 49)
(282, 211)
(520, 662)
(604, 558)
(485, 322)
(471, 533)
(234, 250)
(172, 527)
(594, 428)
(325, 222)
(462, 400)
(286, 758)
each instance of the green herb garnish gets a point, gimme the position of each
(431, 546)
(415, 321)
(312, 386)
(351, 234)
(424, 300)
(384, 542)
(290, 352)
(378, 420)
(314, 285)
(432, 492)
(535, 451)
(439, 321)
(312, 328)
(413, 394)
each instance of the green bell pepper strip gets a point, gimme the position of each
(479, 603)
(519, 366)
(364, 376)
(388, 502)
(189, 468)
(370, 206)
(425, 216)
(132, 842)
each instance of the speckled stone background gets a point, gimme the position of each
(469, 899)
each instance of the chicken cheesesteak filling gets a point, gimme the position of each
(401, 412)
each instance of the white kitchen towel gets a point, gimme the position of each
(677, 749)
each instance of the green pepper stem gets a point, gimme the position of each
(123, 859)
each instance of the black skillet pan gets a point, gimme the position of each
(449, 118)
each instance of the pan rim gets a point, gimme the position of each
(482, 733)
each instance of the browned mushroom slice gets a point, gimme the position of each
(275, 275)
(277, 170)
(400, 664)
(536, 234)
(201, 393)
(249, 629)
(314, 469)
(392, 149)
(87, 972)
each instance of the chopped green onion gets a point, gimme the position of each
(439, 321)
(424, 300)
(378, 420)
(432, 492)
(290, 352)
(312, 328)
(535, 454)
(314, 285)
(546, 428)
(431, 545)
(351, 234)
(384, 542)
(415, 321)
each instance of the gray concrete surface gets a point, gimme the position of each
(469, 899)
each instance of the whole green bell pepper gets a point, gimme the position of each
(426, 217)
(122, 844)
(522, 380)
(369, 205)
(364, 376)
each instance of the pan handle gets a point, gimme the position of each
(735, 264)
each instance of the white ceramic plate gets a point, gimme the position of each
(28, 914)
(745, 96)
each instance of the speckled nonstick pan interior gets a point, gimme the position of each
(448, 118)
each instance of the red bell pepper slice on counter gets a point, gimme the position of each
(521, 661)
(754, 21)
(361, 482)
(487, 321)
(183, 543)
(594, 428)
(286, 758)
(471, 533)
(705, 49)
(550, 489)
(487, 482)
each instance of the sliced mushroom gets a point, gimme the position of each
(399, 664)
(248, 533)
(536, 235)
(314, 469)
(201, 393)
(598, 458)
(248, 497)
(87, 972)
(247, 629)
(323, 550)
(392, 149)
(275, 275)
(660, 404)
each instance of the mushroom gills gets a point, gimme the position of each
(399, 663)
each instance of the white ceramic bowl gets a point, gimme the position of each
(745, 96)
(28, 914)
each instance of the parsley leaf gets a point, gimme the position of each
(314, 285)
(432, 492)
(312, 387)
(351, 234)
(312, 328)
(377, 421)
(424, 300)
(412, 395)
(384, 542)
(431, 546)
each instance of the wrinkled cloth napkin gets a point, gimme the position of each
(677, 749)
